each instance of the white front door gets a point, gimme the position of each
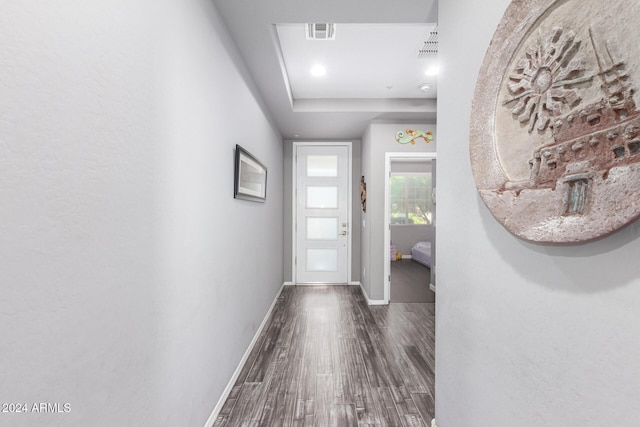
(322, 214)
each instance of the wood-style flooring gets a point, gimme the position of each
(326, 358)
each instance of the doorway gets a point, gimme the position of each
(322, 213)
(410, 220)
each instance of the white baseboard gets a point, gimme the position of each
(432, 287)
(407, 257)
(288, 284)
(236, 374)
(372, 301)
(323, 284)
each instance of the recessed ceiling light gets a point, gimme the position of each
(432, 71)
(318, 71)
(424, 87)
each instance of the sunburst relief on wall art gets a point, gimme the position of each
(555, 128)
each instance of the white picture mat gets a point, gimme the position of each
(251, 177)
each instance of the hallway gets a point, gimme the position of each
(326, 358)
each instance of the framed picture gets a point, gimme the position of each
(250, 181)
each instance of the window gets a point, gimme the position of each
(410, 198)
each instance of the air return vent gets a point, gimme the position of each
(320, 31)
(429, 47)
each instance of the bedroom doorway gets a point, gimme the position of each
(410, 220)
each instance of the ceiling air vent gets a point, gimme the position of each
(320, 31)
(429, 46)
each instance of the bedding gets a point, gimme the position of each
(421, 252)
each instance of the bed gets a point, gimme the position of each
(421, 252)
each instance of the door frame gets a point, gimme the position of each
(388, 158)
(294, 203)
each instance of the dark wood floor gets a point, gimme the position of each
(325, 358)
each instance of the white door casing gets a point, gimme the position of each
(389, 156)
(322, 213)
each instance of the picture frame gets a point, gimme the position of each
(250, 180)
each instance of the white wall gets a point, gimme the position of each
(404, 237)
(365, 230)
(132, 282)
(379, 138)
(527, 335)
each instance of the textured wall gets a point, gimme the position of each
(528, 335)
(132, 282)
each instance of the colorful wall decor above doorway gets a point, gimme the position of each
(410, 136)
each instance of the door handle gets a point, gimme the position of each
(344, 233)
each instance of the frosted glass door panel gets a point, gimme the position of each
(322, 260)
(322, 200)
(322, 228)
(322, 197)
(319, 166)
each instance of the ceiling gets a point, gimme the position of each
(365, 61)
(372, 67)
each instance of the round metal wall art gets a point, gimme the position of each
(555, 123)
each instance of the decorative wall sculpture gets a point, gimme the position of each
(411, 135)
(363, 194)
(555, 128)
